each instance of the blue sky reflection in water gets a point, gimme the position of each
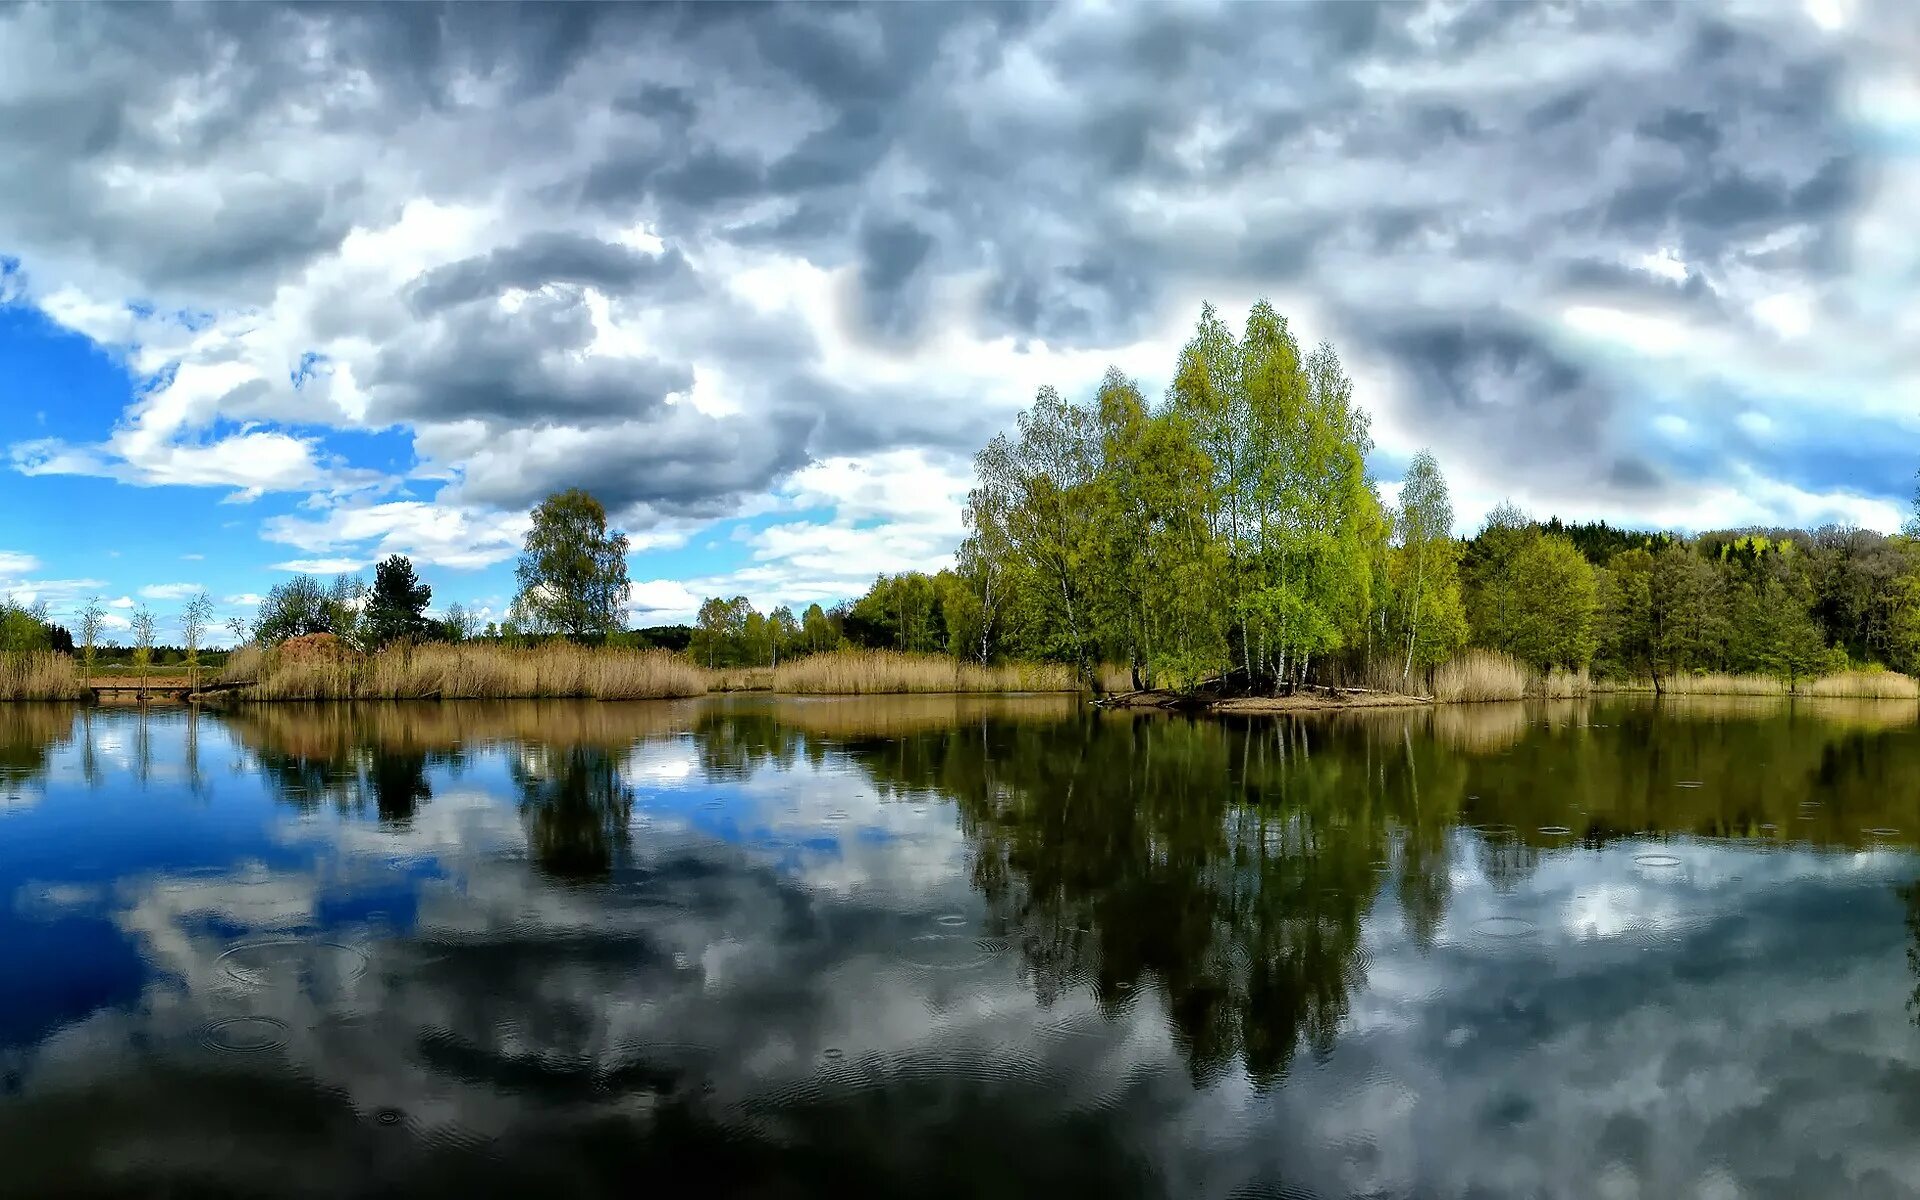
(959, 947)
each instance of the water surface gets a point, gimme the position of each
(954, 946)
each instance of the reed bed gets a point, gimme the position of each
(555, 671)
(1866, 685)
(38, 675)
(1477, 676)
(876, 672)
(1723, 685)
(1564, 685)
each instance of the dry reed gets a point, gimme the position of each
(1722, 685)
(872, 672)
(1564, 685)
(554, 671)
(38, 675)
(1480, 675)
(1869, 685)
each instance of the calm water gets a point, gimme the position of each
(958, 947)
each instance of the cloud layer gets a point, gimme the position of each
(1626, 261)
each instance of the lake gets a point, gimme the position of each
(960, 946)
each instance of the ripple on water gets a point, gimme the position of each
(388, 1116)
(245, 1035)
(1656, 860)
(836, 816)
(1688, 783)
(950, 919)
(1556, 830)
(1493, 829)
(948, 951)
(291, 961)
(1881, 831)
(1505, 927)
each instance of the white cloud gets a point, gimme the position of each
(13, 564)
(441, 535)
(171, 591)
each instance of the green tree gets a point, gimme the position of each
(573, 568)
(1551, 606)
(818, 630)
(457, 625)
(1428, 576)
(396, 605)
(293, 609)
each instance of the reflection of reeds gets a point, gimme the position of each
(894, 716)
(1480, 728)
(872, 672)
(38, 675)
(481, 673)
(36, 724)
(323, 731)
(1478, 675)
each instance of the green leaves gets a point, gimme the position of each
(573, 569)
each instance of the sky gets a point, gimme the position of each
(290, 288)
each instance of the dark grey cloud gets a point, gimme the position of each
(543, 259)
(1438, 182)
(522, 366)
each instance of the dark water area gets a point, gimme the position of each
(950, 946)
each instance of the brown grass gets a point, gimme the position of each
(1563, 685)
(1480, 675)
(553, 671)
(1723, 685)
(1114, 677)
(1869, 685)
(39, 675)
(876, 672)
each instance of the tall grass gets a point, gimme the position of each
(1722, 685)
(1871, 685)
(557, 670)
(38, 675)
(873, 672)
(1563, 685)
(1480, 675)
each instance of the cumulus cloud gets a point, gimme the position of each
(684, 256)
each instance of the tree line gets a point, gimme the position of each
(1231, 529)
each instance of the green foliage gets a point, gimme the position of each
(573, 569)
(396, 605)
(1549, 605)
(293, 609)
(23, 628)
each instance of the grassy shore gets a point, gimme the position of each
(554, 671)
(562, 671)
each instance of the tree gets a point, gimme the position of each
(237, 630)
(1551, 607)
(458, 625)
(573, 569)
(193, 627)
(296, 608)
(1429, 588)
(92, 620)
(396, 605)
(142, 640)
(346, 611)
